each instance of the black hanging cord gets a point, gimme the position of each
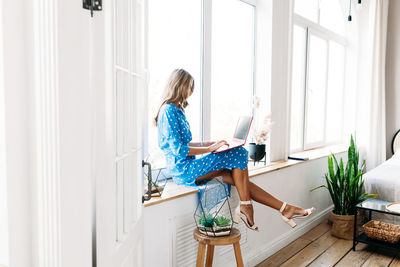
(349, 17)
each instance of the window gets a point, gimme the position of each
(318, 63)
(315, 92)
(307, 9)
(327, 13)
(298, 87)
(182, 35)
(174, 41)
(331, 16)
(232, 56)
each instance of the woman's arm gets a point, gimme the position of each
(198, 150)
(168, 122)
(202, 150)
(201, 144)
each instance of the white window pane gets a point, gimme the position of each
(119, 185)
(122, 89)
(334, 120)
(307, 9)
(174, 41)
(122, 33)
(298, 86)
(331, 16)
(232, 65)
(316, 88)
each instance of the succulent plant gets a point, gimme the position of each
(207, 222)
(222, 221)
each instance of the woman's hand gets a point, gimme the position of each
(208, 143)
(216, 145)
(206, 147)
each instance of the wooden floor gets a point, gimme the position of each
(319, 248)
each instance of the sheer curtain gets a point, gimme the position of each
(370, 98)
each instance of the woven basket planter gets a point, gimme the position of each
(382, 231)
(343, 225)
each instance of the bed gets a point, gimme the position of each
(384, 180)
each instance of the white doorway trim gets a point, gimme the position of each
(46, 189)
(3, 165)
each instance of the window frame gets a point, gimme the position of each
(307, 146)
(312, 28)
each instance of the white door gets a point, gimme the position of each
(120, 84)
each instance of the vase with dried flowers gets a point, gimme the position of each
(260, 132)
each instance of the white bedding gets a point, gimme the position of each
(384, 180)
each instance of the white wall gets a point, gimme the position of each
(17, 84)
(392, 74)
(3, 179)
(46, 61)
(291, 184)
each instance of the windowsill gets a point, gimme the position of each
(174, 191)
(309, 155)
(321, 152)
(171, 191)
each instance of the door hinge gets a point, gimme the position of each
(92, 5)
(147, 195)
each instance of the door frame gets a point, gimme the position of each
(3, 165)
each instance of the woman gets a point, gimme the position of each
(174, 138)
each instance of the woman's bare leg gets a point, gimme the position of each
(237, 178)
(211, 175)
(260, 195)
(242, 183)
(246, 190)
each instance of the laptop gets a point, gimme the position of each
(240, 135)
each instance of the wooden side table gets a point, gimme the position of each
(210, 242)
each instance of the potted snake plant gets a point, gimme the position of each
(345, 186)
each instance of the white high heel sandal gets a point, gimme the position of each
(290, 221)
(239, 215)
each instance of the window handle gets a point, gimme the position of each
(149, 181)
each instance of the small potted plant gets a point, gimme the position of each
(213, 216)
(345, 186)
(260, 133)
(215, 226)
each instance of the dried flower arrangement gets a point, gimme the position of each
(260, 132)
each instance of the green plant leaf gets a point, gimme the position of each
(318, 187)
(330, 168)
(222, 221)
(336, 162)
(207, 222)
(344, 183)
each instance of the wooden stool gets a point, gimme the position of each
(211, 241)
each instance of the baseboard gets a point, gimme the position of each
(256, 256)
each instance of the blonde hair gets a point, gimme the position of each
(177, 90)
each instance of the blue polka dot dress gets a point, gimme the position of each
(173, 138)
